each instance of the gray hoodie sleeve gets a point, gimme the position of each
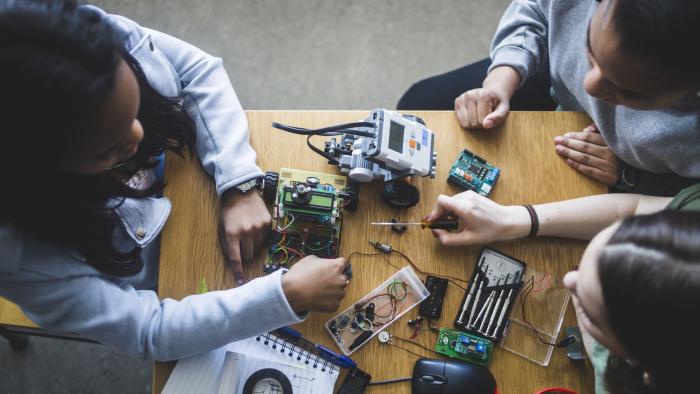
(521, 39)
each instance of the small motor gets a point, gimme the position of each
(301, 193)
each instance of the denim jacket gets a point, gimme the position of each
(57, 290)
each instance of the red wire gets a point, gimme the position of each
(555, 390)
(416, 330)
(296, 252)
(536, 289)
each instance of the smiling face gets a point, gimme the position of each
(620, 78)
(587, 295)
(115, 135)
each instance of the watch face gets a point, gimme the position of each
(245, 186)
(248, 185)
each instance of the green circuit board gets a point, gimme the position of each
(307, 218)
(471, 172)
(463, 346)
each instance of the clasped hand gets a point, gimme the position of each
(587, 152)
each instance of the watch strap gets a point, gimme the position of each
(628, 178)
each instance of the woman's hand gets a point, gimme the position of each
(245, 222)
(587, 152)
(487, 107)
(481, 220)
(314, 284)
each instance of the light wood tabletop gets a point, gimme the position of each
(531, 173)
(11, 315)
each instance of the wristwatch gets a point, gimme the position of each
(628, 178)
(253, 184)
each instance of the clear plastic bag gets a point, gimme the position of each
(376, 311)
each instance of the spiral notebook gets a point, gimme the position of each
(229, 368)
(243, 373)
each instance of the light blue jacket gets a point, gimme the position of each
(57, 290)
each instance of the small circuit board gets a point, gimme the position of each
(306, 217)
(471, 172)
(463, 346)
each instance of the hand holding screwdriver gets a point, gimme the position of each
(482, 220)
(441, 224)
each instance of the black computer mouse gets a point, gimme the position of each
(451, 377)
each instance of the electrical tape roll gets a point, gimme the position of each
(269, 374)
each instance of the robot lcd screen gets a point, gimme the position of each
(396, 137)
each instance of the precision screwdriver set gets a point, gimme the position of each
(492, 292)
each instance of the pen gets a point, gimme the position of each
(291, 332)
(340, 360)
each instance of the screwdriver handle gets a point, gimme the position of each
(442, 224)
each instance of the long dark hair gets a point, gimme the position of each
(650, 278)
(663, 33)
(58, 61)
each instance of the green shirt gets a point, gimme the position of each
(687, 200)
(599, 361)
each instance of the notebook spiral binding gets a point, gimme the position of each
(292, 350)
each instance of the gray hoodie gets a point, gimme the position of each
(534, 34)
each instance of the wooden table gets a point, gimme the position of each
(522, 147)
(13, 324)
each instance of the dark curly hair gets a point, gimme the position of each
(59, 62)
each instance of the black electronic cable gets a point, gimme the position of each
(389, 381)
(451, 279)
(383, 255)
(340, 129)
(528, 288)
(414, 343)
(406, 350)
(330, 158)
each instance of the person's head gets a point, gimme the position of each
(643, 53)
(637, 292)
(74, 105)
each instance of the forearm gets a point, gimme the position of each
(582, 218)
(503, 79)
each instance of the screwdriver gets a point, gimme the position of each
(442, 224)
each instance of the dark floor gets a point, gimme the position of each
(294, 54)
(55, 366)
